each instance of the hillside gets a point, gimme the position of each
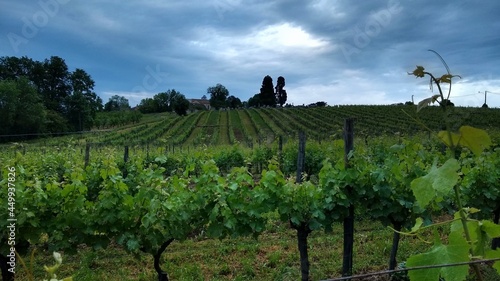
(264, 125)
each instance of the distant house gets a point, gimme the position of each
(203, 102)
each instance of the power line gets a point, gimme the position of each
(464, 96)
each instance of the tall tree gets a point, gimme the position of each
(233, 102)
(218, 96)
(13, 68)
(166, 99)
(83, 104)
(21, 108)
(56, 84)
(280, 92)
(116, 103)
(180, 104)
(163, 101)
(68, 97)
(148, 105)
(254, 101)
(267, 96)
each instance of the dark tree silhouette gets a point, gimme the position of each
(233, 102)
(267, 96)
(254, 101)
(218, 96)
(280, 92)
(180, 104)
(116, 103)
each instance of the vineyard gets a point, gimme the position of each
(263, 126)
(237, 174)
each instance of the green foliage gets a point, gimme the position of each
(228, 159)
(218, 96)
(116, 103)
(437, 184)
(454, 252)
(21, 108)
(49, 270)
(54, 99)
(168, 101)
(255, 101)
(233, 102)
(467, 237)
(117, 118)
(180, 104)
(476, 140)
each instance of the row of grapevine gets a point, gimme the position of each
(236, 126)
(264, 132)
(197, 134)
(226, 134)
(248, 127)
(251, 125)
(154, 203)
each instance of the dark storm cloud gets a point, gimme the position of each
(326, 49)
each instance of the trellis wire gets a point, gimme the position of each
(408, 269)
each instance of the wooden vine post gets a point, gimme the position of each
(349, 220)
(125, 154)
(280, 151)
(302, 229)
(87, 154)
(301, 159)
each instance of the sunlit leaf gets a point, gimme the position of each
(418, 72)
(444, 136)
(474, 139)
(418, 224)
(446, 78)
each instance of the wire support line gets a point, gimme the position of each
(60, 133)
(410, 268)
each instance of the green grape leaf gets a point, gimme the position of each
(426, 102)
(473, 210)
(418, 72)
(474, 139)
(494, 254)
(418, 224)
(446, 78)
(444, 137)
(456, 251)
(477, 237)
(492, 229)
(439, 180)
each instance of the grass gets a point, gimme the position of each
(273, 256)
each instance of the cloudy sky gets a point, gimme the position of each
(338, 51)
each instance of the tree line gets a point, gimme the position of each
(168, 101)
(175, 101)
(38, 97)
(268, 96)
(45, 97)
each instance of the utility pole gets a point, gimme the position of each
(485, 95)
(412, 99)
